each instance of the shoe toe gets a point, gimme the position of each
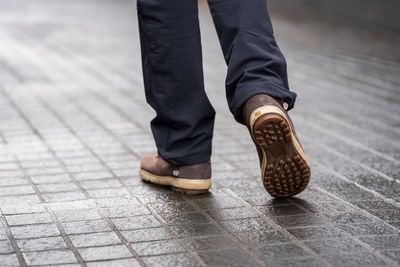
(147, 161)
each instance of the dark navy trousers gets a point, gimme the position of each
(173, 75)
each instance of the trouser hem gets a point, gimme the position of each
(199, 157)
(272, 90)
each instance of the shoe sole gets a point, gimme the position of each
(285, 170)
(179, 185)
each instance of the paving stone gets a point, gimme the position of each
(355, 260)
(316, 233)
(184, 218)
(115, 263)
(192, 230)
(95, 239)
(58, 187)
(44, 243)
(393, 254)
(13, 181)
(34, 218)
(124, 211)
(9, 260)
(160, 198)
(230, 257)
(280, 251)
(336, 246)
(172, 207)
(49, 257)
(93, 175)
(395, 224)
(37, 230)
(232, 213)
(214, 242)
(259, 238)
(266, 200)
(349, 217)
(100, 184)
(3, 234)
(157, 247)
(377, 228)
(26, 199)
(84, 227)
(6, 247)
(382, 242)
(296, 262)
(374, 205)
(70, 206)
(248, 224)
(108, 193)
(171, 260)
(78, 215)
(220, 201)
(387, 214)
(16, 190)
(64, 196)
(137, 222)
(300, 220)
(150, 234)
(105, 253)
(51, 178)
(280, 210)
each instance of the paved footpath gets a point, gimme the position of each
(74, 125)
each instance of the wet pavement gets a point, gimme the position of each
(74, 125)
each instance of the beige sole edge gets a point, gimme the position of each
(194, 184)
(257, 113)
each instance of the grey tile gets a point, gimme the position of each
(382, 242)
(213, 242)
(230, 257)
(49, 257)
(150, 234)
(191, 230)
(37, 230)
(157, 247)
(43, 243)
(171, 260)
(84, 227)
(115, 263)
(137, 222)
(104, 253)
(95, 239)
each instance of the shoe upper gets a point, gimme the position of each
(260, 100)
(156, 165)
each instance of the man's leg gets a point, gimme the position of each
(256, 87)
(173, 79)
(255, 62)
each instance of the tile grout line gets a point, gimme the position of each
(55, 220)
(108, 220)
(282, 230)
(121, 182)
(226, 231)
(386, 259)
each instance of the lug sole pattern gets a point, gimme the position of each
(285, 169)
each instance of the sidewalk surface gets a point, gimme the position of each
(74, 125)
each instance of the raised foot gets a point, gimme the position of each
(285, 171)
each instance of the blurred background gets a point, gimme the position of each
(74, 124)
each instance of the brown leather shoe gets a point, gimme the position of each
(189, 180)
(285, 170)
